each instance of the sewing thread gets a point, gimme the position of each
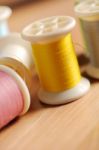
(55, 60)
(14, 96)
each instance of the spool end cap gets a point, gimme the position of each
(66, 96)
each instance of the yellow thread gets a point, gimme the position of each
(57, 64)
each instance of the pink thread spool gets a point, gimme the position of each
(14, 95)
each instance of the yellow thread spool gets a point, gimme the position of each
(50, 61)
(55, 60)
(17, 54)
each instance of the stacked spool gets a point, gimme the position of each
(88, 13)
(55, 60)
(14, 51)
(16, 63)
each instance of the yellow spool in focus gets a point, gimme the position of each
(55, 60)
(57, 65)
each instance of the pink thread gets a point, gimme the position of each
(11, 99)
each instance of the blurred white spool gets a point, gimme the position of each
(5, 13)
(17, 54)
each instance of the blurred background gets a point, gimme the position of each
(27, 11)
(12, 2)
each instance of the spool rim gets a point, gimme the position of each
(5, 12)
(48, 35)
(22, 86)
(89, 13)
(67, 96)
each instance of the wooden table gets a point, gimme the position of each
(74, 126)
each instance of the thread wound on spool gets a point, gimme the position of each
(11, 99)
(55, 60)
(57, 64)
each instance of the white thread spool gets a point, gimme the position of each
(17, 54)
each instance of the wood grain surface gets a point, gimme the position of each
(74, 126)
